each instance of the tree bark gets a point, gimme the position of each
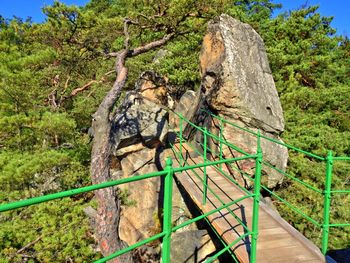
(108, 212)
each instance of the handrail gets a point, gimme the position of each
(266, 138)
(169, 172)
(258, 164)
(210, 134)
(327, 192)
(59, 195)
(166, 233)
(220, 199)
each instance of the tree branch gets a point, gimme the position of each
(29, 244)
(151, 45)
(87, 85)
(108, 212)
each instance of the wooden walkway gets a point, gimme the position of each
(278, 241)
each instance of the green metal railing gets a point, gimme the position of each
(217, 163)
(168, 173)
(257, 178)
(326, 192)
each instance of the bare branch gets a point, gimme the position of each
(112, 54)
(51, 98)
(87, 85)
(151, 45)
(84, 87)
(29, 244)
(127, 21)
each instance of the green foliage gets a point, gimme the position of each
(59, 232)
(124, 196)
(309, 64)
(43, 123)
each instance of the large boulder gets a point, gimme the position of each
(140, 213)
(139, 120)
(187, 107)
(153, 87)
(140, 128)
(238, 86)
(191, 246)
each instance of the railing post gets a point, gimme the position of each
(205, 178)
(168, 189)
(220, 143)
(181, 132)
(327, 202)
(257, 185)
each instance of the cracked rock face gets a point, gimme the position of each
(239, 87)
(139, 120)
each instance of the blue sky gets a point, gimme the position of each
(337, 8)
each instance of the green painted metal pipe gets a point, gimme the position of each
(232, 254)
(233, 167)
(327, 202)
(205, 179)
(222, 202)
(227, 247)
(220, 142)
(190, 167)
(293, 178)
(211, 212)
(129, 248)
(257, 184)
(167, 209)
(216, 138)
(45, 198)
(341, 158)
(267, 138)
(339, 225)
(340, 191)
(295, 209)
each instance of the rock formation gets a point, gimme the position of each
(239, 87)
(141, 127)
(139, 120)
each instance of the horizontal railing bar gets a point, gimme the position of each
(293, 178)
(276, 169)
(236, 169)
(228, 144)
(50, 197)
(210, 213)
(129, 248)
(340, 191)
(215, 137)
(268, 138)
(211, 259)
(292, 207)
(180, 169)
(341, 158)
(232, 180)
(339, 225)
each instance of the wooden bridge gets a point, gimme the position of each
(278, 241)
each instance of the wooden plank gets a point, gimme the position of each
(293, 253)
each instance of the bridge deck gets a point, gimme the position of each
(277, 242)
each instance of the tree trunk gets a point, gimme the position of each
(108, 212)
